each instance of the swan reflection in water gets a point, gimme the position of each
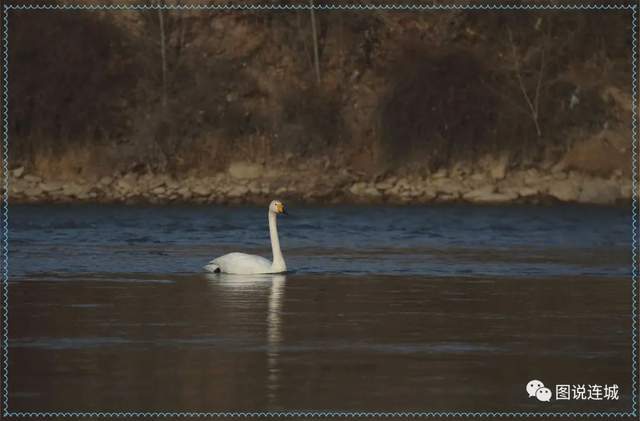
(275, 283)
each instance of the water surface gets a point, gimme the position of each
(388, 308)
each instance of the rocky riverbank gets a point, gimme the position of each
(253, 183)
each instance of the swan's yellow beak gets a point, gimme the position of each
(280, 208)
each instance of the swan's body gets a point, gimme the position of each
(249, 264)
(242, 264)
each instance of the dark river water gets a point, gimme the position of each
(446, 308)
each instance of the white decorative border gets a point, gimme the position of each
(4, 215)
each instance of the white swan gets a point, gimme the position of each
(249, 264)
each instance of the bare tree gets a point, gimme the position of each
(163, 27)
(532, 103)
(316, 55)
(163, 56)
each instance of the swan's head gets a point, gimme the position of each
(277, 207)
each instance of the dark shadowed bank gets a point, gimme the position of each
(362, 106)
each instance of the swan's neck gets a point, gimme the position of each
(278, 261)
